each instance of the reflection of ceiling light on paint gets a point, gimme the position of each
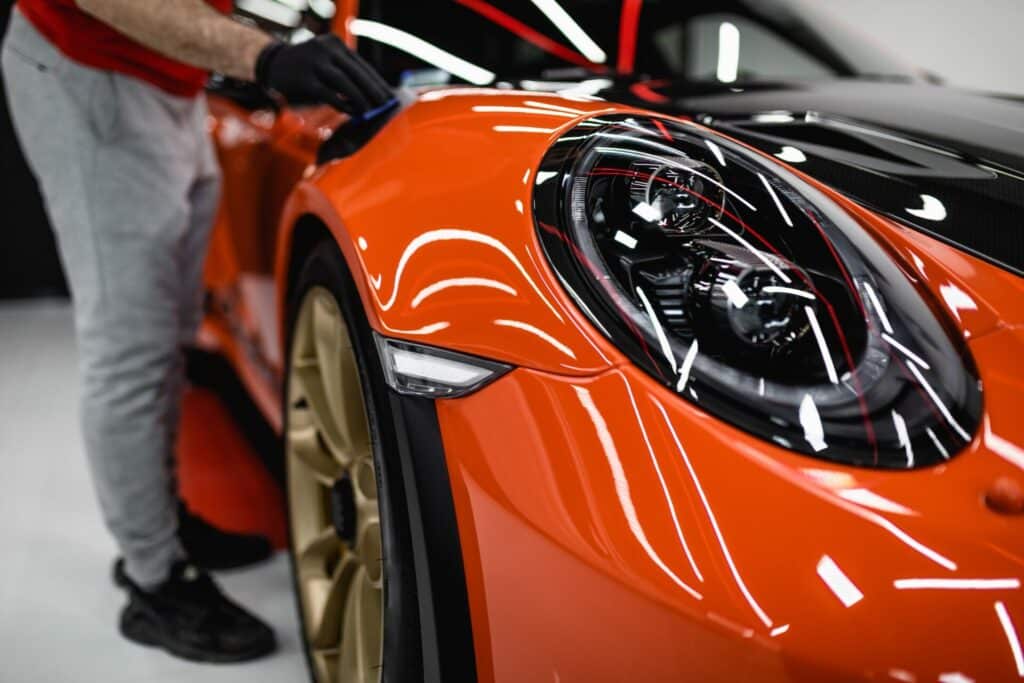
(1011, 636)
(957, 299)
(838, 582)
(957, 584)
(417, 47)
(955, 677)
(728, 52)
(571, 30)
(870, 499)
(933, 209)
(792, 155)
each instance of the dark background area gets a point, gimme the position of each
(28, 256)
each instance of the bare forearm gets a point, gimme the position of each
(189, 31)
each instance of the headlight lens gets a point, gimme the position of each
(751, 294)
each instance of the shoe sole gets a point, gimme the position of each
(142, 631)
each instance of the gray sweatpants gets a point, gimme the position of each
(131, 186)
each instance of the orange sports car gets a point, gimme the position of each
(639, 341)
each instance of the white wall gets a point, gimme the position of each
(977, 44)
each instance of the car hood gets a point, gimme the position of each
(944, 161)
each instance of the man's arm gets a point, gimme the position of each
(189, 31)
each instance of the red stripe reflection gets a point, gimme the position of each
(510, 23)
(629, 24)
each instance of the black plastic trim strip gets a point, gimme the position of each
(446, 629)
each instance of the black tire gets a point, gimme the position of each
(402, 660)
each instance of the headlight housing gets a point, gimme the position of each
(751, 294)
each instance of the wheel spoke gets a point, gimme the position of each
(308, 448)
(338, 371)
(326, 629)
(361, 633)
(319, 554)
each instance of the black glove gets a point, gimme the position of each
(322, 70)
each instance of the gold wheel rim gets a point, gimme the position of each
(329, 458)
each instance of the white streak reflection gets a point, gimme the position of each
(488, 109)
(684, 371)
(1011, 636)
(838, 582)
(905, 351)
(939, 404)
(904, 437)
(957, 299)
(666, 348)
(426, 329)
(539, 333)
(523, 129)
(735, 294)
(622, 488)
(455, 234)
(571, 30)
(873, 500)
(1003, 448)
(957, 584)
(775, 198)
(661, 479)
(554, 107)
(625, 239)
(938, 444)
(826, 353)
(771, 289)
(810, 420)
(740, 583)
(717, 151)
(442, 285)
(877, 306)
(760, 255)
(421, 49)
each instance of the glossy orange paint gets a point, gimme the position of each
(610, 530)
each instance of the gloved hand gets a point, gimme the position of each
(322, 69)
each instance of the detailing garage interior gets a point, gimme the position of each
(588, 341)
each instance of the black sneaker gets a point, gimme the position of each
(189, 617)
(212, 548)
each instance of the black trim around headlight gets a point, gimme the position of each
(751, 294)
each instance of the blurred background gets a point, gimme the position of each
(969, 44)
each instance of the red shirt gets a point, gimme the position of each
(92, 43)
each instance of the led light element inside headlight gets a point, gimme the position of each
(750, 293)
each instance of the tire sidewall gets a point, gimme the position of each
(325, 267)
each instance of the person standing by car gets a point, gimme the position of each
(106, 98)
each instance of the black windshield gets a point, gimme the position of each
(731, 41)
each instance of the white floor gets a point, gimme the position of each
(58, 608)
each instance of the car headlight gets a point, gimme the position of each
(741, 287)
